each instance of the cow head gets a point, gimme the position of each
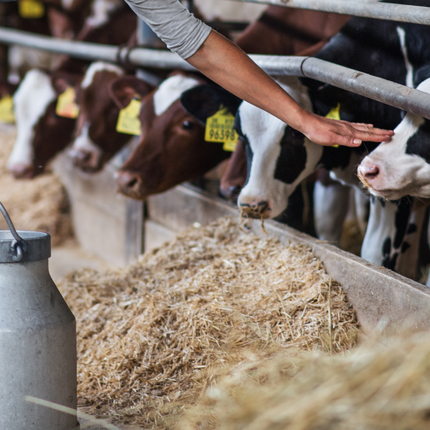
(171, 148)
(278, 157)
(41, 134)
(96, 138)
(401, 166)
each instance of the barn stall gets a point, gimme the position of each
(119, 229)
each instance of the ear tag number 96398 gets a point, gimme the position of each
(334, 114)
(219, 128)
(6, 110)
(66, 105)
(31, 9)
(128, 119)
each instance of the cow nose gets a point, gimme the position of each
(368, 172)
(87, 161)
(21, 171)
(231, 193)
(129, 184)
(254, 208)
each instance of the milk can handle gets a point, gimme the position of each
(18, 245)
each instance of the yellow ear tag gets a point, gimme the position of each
(219, 128)
(66, 105)
(334, 114)
(31, 9)
(128, 119)
(6, 110)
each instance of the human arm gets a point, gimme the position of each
(227, 65)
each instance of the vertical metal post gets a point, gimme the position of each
(137, 211)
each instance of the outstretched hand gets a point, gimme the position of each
(329, 132)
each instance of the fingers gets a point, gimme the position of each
(371, 130)
(356, 133)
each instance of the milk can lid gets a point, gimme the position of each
(22, 246)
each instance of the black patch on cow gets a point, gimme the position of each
(386, 246)
(412, 229)
(205, 100)
(371, 46)
(421, 75)
(246, 146)
(392, 246)
(405, 247)
(401, 220)
(293, 154)
(419, 143)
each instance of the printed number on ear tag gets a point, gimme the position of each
(31, 9)
(128, 119)
(334, 114)
(66, 105)
(6, 110)
(219, 128)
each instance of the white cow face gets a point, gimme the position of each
(279, 157)
(401, 166)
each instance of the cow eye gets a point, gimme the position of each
(187, 125)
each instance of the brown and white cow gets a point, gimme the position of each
(171, 148)
(37, 98)
(97, 140)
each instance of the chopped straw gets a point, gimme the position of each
(38, 204)
(375, 387)
(153, 337)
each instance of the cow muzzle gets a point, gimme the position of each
(369, 174)
(129, 184)
(254, 209)
(87, 161)
(23, 171)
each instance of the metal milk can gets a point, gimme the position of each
(37, 337)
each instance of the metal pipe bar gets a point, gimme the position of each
(365, 9)
(366, 85)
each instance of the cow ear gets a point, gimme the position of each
(126, 88)
(61, 81)
(204, 101)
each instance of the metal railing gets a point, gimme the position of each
(365, 9)
(382, 90)
(393, 94)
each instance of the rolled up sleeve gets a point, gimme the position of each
(179, 29)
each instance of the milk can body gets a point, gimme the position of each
(37, 342)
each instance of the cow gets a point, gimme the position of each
(280, 157)
(171, 148)
(401, 166)
(97, 140)
(28, 157)
(279, 31)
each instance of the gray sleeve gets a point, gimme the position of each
(179, 29)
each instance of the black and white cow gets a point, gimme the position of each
(401, 166)
(279, 158)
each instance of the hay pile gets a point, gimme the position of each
(152, 338)
(373, 387)
(39, 204)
